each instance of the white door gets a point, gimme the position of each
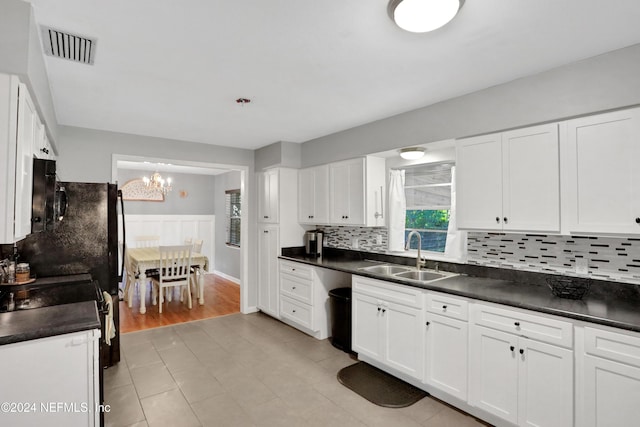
(531, 179)
(356, 192)
(479, 182)
(27, 128)
(612, 393)
(367, 333)
(306, 196)
(403, 346)
(446, 351)
(602, 173)
(321, 195)
(545, 385)
(268, 287)
(339, 192)
(493, 375)
(268, 196)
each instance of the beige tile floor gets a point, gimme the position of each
(246, 370)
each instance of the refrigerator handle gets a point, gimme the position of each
(124, 236)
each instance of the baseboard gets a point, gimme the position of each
(227, 277)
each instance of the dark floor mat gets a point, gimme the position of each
(379, 387)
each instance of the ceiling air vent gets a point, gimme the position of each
(69, 46)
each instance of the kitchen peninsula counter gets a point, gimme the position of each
(608, 303)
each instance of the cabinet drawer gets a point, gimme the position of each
(296, 311)
(447, 306)
(401, 294)
(296, 269)
(532, 326)
(296, 287)
(612, 345)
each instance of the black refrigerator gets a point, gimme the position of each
(84, 241)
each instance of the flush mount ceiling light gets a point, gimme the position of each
(412, 153)
(421, 16)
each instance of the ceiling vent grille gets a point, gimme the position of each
(69, 46)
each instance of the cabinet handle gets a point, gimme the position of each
(265, 231)
(294, 311)
(498, 219)
(522, 351)
(428, 323)
(444, 308)
(512, 348)
(638, 220)
(384, 309)
(517, 324)
(379, 309)
(293, 287)
(505, 219)
(311, 217)
(44, 150)
(266, 216)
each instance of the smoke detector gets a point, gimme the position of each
(62, 44)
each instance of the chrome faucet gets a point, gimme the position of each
(419, 261)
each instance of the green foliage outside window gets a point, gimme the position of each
(427, 219)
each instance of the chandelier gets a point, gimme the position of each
(158, 182)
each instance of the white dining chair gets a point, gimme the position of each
(194, 283)
(175, 271)
(146, 241)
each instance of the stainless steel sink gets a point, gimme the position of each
(387, 270)
(423, 276)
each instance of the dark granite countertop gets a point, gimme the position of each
(23, 325)
(607, 303)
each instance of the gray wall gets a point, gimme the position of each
(199, 199)
(21, 54)
(227, 257)
(607, 81)
(283, 154)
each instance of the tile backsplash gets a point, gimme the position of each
(369, 239)
(607, 258)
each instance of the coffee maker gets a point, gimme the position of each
(313, 243)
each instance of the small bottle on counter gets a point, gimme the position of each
(11, 305)
(23, 272)
(11, 272)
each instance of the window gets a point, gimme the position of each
(427, 190)
(232, 209)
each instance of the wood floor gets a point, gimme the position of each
(221, 297)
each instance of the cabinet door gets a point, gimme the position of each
(268, 287)
(446, 351)
(321, 195)
(62, 368)
(347, 189)
(27, 128)
(479, 182)
(602, 173)
(367, 334)
(545, 384)
(403, 343)
(531, 179)
(493, 376)
(268, 196)
(306, 196)
(612, 393)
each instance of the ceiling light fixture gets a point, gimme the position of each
(421, 16)
(412, 153)
(158, 182)
(243, 101)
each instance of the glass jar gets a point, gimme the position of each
(23, 272)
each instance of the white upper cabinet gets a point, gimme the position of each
(41, 146)
(356, 189)
(510, 181)
(601, 173)
(313, 195)
(268, 196)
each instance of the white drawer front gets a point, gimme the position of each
(611, 345)
(387, 291)
(296, 311)
(296, 269)
(447, 306)
(532, 326)
(296, 287)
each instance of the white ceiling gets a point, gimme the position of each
(174, 69)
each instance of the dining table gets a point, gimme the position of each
(147, 260)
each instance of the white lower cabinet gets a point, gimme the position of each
(523, 381)
(387, 325)
(304, 296)
(52, 381)
(445, 356)
(610, 375)
(268, 251)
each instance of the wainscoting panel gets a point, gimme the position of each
(173, 230)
